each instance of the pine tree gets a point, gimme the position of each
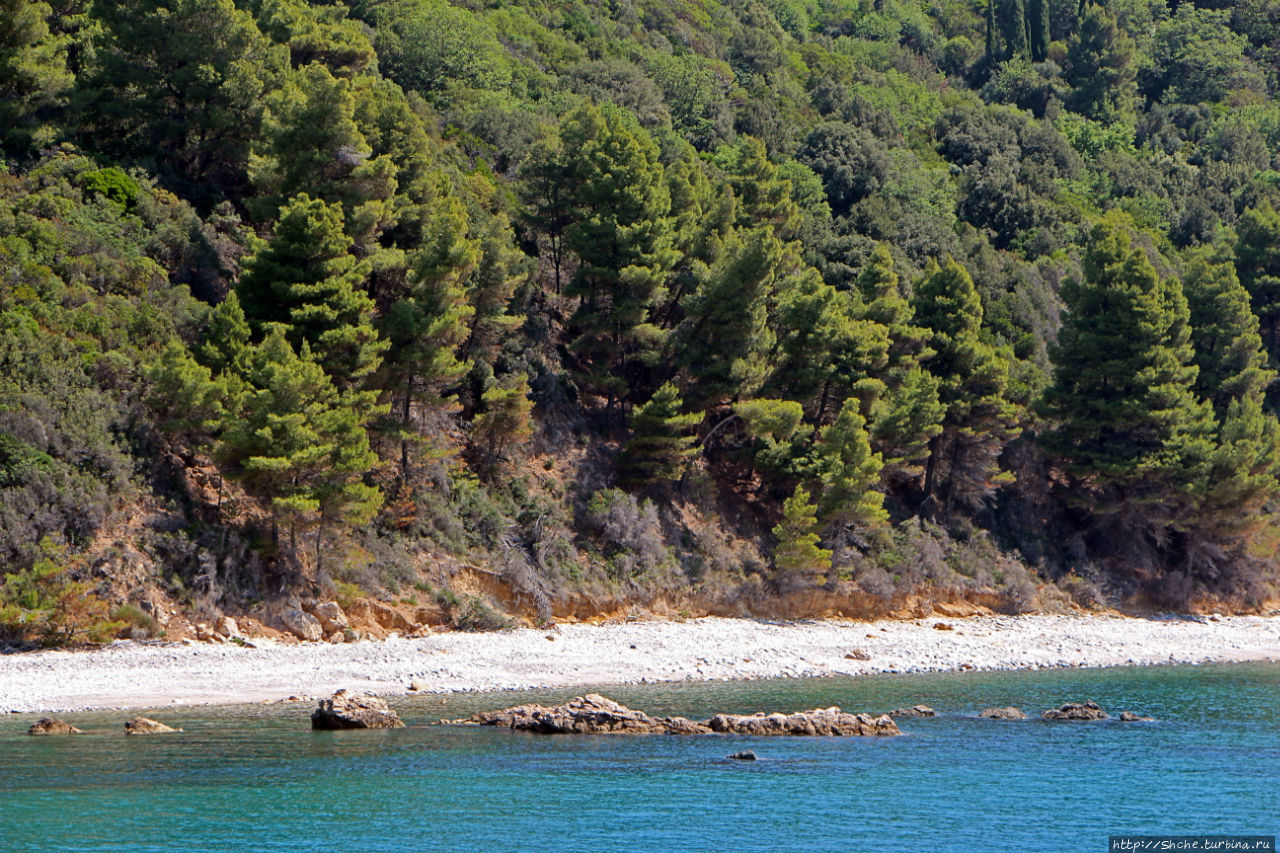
(725, 338)
(847, 474)
(1258, 265)
(622, 238)
(797, 555)
(973, 382)
(1127, 420)
(186, 398)
(33, 72)
(546, 188)
(905, 423)
(1100, 68)
(1224, 334)
(307, 279)
(299, 444)
(311, 144)
(660, 445)
(505, 419)
(428, 323)
(226, 337)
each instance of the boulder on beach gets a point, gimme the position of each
(146, 726)
(1007, 713)
(330, 615)
(857, 654)
(1130, 717)
(301, 624)
(915, 711)
(1076, 711)
(50, 726)
(595, 714)
(347, 710)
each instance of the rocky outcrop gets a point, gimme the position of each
(915, 711)
(820, 722)
(385, 616)
(301, 624)
(1009, 713)
(595, 714)
(346, 710)
(745, 755)
(1076, 711)
(50, 726)
(146, 726)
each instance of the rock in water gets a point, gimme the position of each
(146, 726)
(594, 714)
(49, 726)
(821, 722)
(346, 710)
(1130, 717)
(587, 715)
(914, 711)
(1076, 711)
(1009, 713)
(745, 755)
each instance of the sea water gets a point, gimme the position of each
(256, 778)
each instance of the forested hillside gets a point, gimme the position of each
(755, 306)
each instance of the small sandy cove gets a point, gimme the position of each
(133, 675)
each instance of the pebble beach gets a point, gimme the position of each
(150, 675)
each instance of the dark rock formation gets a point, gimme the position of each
(913, 712)
(146, 726)
(745, 755)
(1076, 711)
(50, 726)
(594, 714)
(1009, 713)
(346, 710)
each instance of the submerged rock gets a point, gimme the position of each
(913, 712)
(146, 726)
(1076, 711)
(595, 714)
(1130, 717)
(745, 755)
(345, 710)
(1009, 713)
(50, 726)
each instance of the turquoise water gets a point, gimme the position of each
(255, 778)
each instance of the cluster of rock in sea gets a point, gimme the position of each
(594, 714)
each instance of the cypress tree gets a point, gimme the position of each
(660, 444)
(1038, 26)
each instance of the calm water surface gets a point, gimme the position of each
(256, 778)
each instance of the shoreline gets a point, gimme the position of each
(129, 675)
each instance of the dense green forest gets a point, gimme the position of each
(719, 303)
